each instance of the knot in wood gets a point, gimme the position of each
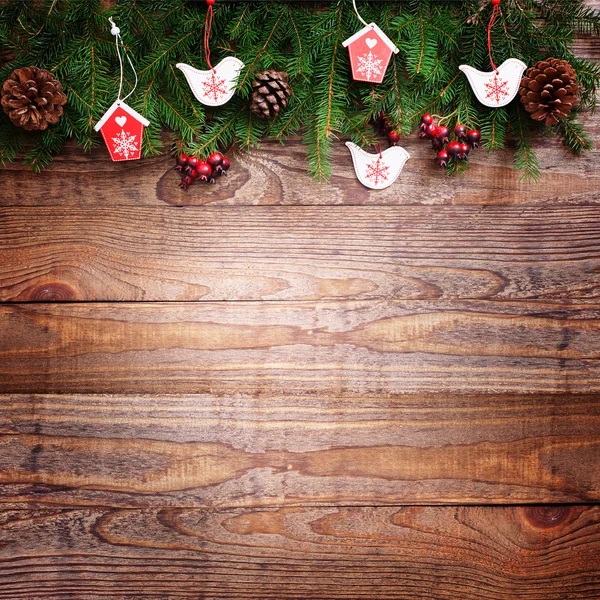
(52, 292)
(546, 517)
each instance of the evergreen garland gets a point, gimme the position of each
(71, 38)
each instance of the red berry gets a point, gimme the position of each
(225, 164)
(426, 120)
(423, 135)
(182, 162)
(473, 136)
(436, 143)
(464, 150)
(192, 163)
(495, 2)
(215, 159)
(442, 158)
(213, 1)
(187, 180)
(203, 170)
(444, 134)
(432, 130)
(453, 149)
(460, 131)
(393, 137)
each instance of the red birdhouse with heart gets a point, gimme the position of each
(370, 52)
(122, 129)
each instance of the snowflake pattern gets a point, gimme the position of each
(496, 89)
(369, 65)
(125, 144)
(377, 171)
(215, 87)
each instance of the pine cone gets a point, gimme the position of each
(32, 98)
(270, 95)
(549, 90)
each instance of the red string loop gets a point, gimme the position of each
(495, 13)
(207, 28)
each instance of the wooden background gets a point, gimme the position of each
(274, 389)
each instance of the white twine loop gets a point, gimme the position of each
(358, 14)
(117, 33)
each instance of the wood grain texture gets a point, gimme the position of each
(300, 253)
(410, 553)
(202, 451)
(276, 174)
(354, 349)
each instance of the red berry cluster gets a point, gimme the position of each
(191, 168)
(440, 140)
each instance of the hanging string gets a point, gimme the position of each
(495, 13)
(378, 149)
(358, 14)
(119, 42)
(207, 28)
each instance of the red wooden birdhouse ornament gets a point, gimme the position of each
(370, 52)
(122, 129)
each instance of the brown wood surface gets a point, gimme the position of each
(404, 553)
(301, 253)
(348, 348)
(201, 451)
(267, 389)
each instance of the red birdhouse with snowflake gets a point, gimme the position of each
(122, 129)
(370, 52)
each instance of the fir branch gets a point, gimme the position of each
(41, 155)
(575, 138)
(71, 37)
(525, 159)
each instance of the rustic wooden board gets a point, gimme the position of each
(276, 174)
(300, 253)
(410, 553)
(202, 451)
(339, 348)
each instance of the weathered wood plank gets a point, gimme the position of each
(410, 553)
(276, 174)
(202, 451)
(340, 348)
(300, 253)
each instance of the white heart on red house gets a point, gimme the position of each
(122, 129)
(371, 43)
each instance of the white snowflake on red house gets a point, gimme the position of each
(369, 65)
(215, 87)
(377, 171)
(496, 89)
(125, 144)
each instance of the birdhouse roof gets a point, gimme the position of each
(368, 29)
(120, 104)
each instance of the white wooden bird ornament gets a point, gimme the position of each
(378, 171)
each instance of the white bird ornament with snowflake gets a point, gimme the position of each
(378, 171)
(498, 87)
(215, 86)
